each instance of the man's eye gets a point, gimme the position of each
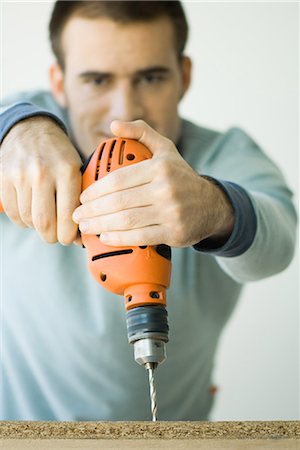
(151, 79)
(99, 81)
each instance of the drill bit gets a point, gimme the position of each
(150, 367)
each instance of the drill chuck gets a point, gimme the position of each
(148, 331)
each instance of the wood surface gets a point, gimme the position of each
(151, 444)
(149, 430)
(148, 435)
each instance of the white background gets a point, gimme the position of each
(245, 74)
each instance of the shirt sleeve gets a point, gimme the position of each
(238, 159)
(245, 223)
(13, 114)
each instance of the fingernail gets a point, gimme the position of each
(104, 237)
(83, 226)
(75, 217)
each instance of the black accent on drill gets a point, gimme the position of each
(147, 319)
(164, 250)
(83, 168)
(110, 155)
(112, 148)
(98, 162)
(86, 163)
(106, 255)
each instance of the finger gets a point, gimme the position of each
(43, 211)
(24, 205)
(10, 205)
(124, 220)
(142, 132)
(78, 240)
(111, 203)
(125, 178)
(152, 235)
(67, 200)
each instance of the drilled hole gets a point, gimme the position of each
(129, 298)
(143, 246)
(130, 156)
(154, 294)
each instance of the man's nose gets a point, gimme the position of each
(126, 104)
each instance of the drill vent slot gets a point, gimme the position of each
(116, 253)
(110, 155)
(98, 162)
(121, 155)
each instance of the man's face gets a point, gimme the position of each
(119, 71)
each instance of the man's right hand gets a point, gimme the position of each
(41, 179)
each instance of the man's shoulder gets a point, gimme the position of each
(194, 135)
(193, 131)
(40, 98)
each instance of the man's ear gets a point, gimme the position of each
(56, 77)
(186, 74)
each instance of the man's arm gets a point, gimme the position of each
(164, 200)
(40, 172)
(238, 158)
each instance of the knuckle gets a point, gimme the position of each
(177, 213)
(70, 170)
(167, 194)
(18, 175)
(26, 217)
(115, 179)
(140, 122)
(42, 223)
(38, 171)
(128, 220)
(163, 168)
(15, 218)
(121, 201)
(66, 215)
(178, 233)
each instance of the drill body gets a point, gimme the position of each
(141, 274)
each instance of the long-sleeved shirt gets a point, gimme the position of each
(65, 354)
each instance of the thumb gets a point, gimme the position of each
(142, 132)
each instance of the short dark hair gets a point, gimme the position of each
(119, 11)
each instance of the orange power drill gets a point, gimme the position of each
(141, 274)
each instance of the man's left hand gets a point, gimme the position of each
(160, 200)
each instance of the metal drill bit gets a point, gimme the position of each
(150, 367)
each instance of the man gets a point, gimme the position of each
(65, 355)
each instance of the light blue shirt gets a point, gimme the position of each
(64, 349)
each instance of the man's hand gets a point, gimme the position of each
(40, 179)
(161, 200)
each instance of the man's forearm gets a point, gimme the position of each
(10, 116)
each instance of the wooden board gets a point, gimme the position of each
(151, 444)
(149, 435)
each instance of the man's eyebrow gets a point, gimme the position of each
(146, 71)
(153, 69)
(93, 74)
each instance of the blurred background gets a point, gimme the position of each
(245, 74)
